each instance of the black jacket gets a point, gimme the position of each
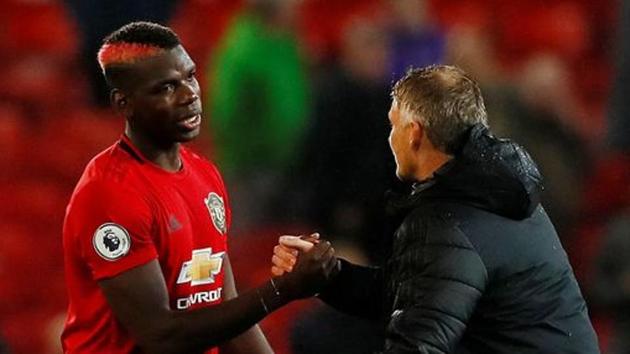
(476, 265)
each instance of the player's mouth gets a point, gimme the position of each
(190, 123)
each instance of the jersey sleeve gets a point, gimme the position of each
(111, 225)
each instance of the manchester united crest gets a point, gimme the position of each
(216, 207)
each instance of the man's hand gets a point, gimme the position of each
(311, 272)
(285, 254)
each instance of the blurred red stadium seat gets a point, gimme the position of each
(76, 136)
(560, 28)
(322, 23)
(35, 199)
(200, 24)
(604, 326)
(36, 81)
(583, 247)
(26, 332)
(454, 13)
(608, 189)
(12, 130)
(38, 27)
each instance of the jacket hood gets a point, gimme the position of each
(493, 174)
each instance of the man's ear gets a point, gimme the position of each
(120, 102)
(416, 133)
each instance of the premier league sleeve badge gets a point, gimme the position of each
(111, 241)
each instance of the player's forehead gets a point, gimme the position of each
(166, 65)
(176, 59)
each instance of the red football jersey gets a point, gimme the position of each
(126, 211)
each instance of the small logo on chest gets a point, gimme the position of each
(216, 208)
(173, 224)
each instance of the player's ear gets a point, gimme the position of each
(120, 102)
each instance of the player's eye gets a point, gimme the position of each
(167, 88)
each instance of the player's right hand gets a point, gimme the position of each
(311, 272)
(289, 247)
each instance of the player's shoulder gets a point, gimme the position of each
(201, 163)
(110, 171)
(107, 163)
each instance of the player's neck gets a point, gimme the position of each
(165, 156)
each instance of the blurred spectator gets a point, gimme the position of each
(416, 40)
(543, 119)
(537, 110)
(619, 110)
(545, 85)
(98, 18)
(471, 48)
(37, 51)
(610, 289)
(259, 106)
(348, 163)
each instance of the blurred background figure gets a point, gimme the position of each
(536, 107)
(297, 93)
(416, 39)
(259, 106)
(610, 284)
(544, 117)
(610, 289)
(347, 162)
(619, 109)
(96, 19)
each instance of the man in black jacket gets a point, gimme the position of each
(476, 265)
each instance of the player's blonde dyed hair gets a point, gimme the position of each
(444, 100)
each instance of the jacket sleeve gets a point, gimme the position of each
(439, 279)
(357, 291)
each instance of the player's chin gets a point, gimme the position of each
(188, 135)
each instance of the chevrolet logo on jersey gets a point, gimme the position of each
(202, 268)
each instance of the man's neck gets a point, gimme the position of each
(166, 157)
(432, 162)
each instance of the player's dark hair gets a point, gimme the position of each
(144, 33)
(129, 43)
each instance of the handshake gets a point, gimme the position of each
(303, 265)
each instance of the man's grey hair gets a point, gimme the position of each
(444, 100)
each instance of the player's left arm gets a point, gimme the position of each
(251, 341)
